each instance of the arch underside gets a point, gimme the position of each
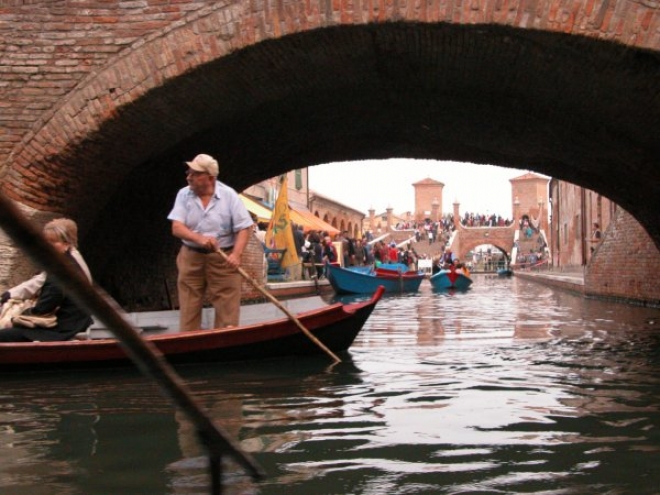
(574, 108)
(498, 245)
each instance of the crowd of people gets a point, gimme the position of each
(316, 248)
(319, 248)
(440, 231)
(487, 220)
(429, 230)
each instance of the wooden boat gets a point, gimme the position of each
(361, 280)
(395, 267)
(265, 332)
(450, 279)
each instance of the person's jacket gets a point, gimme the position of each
(70, 318)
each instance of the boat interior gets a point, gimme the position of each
(167, 322)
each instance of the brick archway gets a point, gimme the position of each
(468, 238)
(96, 124)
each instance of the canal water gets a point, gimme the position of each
(510, 387)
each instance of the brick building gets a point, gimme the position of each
(308, 202)
(574, 211)
(340, 216)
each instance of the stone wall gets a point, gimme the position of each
(626, 264)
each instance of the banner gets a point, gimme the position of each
(280, 232)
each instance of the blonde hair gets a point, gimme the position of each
(65, 229)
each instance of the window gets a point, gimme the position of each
(298, 176)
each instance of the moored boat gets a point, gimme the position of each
(450, 279)
(395, 267)
(358, 280)
(265, 332)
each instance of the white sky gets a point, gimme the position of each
(378, 184)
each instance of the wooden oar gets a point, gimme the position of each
(283, 308)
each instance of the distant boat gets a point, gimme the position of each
(365, 280)
(264, 332)
(450, 279)
(505, 272)
(393, 267)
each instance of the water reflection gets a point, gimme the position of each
(510, 387)
(63, 433)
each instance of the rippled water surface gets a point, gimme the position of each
(511, 387)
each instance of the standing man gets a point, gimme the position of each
(298, 238)
(209, 216)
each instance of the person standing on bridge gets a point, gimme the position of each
(209, 216)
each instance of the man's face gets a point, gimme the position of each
(199, 182)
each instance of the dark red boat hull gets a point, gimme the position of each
(336, 326)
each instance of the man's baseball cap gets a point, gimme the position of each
(204, 163)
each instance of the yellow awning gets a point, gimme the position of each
(309, 221)
(263, 213)
(303, 217)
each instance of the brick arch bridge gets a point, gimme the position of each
(101, 104)
(468, 238)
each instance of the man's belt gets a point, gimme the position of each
(209, 251)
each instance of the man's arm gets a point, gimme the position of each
(180, 230)
(240, 241)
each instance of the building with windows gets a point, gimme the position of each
(579, 219)
(312, 210)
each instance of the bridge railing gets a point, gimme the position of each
(487, 266)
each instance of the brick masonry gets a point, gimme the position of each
(626, 264)
(100, 105)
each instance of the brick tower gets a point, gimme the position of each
(529, 196)
(428, 193)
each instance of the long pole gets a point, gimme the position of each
(284, 309)
(143, 353)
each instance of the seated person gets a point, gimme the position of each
(447, 259)
(461, 268)
(30, 288)
(70, 318)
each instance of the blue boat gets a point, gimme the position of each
(395, 267)
(364, 280)
(450, 279)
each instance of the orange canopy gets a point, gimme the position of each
(309, 221)
(299, 215)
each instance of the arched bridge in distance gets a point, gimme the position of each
(101, 104)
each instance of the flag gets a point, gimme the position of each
(280, 231)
